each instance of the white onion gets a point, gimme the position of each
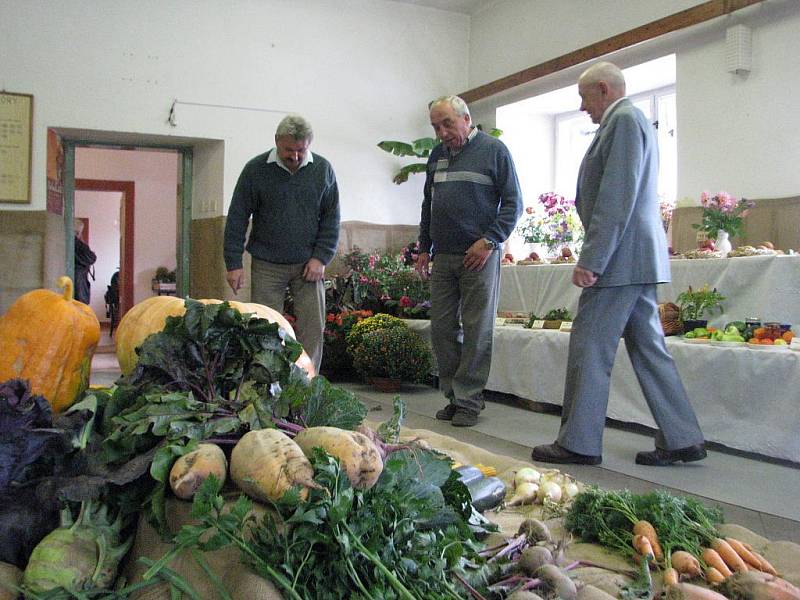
(571, 489)
(527, 474)
(525, 493)
(550, 490)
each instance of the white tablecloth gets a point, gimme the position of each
(744, 398)
(758, 286)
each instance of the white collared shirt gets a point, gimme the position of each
(610, 107)
(273, 157)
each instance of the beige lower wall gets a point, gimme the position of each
(207, 265)
(22, 254)
(775, 220)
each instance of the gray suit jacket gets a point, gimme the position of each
(617, 201)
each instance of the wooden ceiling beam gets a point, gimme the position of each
(675, 22)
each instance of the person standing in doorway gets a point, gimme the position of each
(84, 265)
(624, 256)
(293, 199)
(471, 204)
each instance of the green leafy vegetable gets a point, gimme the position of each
(400, 539)
(607, 517)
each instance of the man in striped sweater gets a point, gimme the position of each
(471, 204)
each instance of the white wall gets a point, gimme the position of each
(102, 210)
(737, 133)
(155, 175)
(361, 70)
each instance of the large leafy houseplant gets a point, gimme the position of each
(420, 148)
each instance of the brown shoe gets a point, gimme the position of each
(446, 414)
(553, 453)
(464, 417)
(664, 458)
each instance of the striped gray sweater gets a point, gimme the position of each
(472, 194)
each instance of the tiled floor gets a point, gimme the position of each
(759, 495)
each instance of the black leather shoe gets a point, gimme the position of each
(464, 417)
(446, 414)
(664, 458)
(553, 453)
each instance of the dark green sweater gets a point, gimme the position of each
(295, 216)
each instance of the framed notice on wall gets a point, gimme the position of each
(16, 125)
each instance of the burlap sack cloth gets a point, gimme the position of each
(610, 574)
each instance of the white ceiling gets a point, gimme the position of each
(467, 7)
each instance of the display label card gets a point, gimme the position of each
(565, 326)
(538, 324)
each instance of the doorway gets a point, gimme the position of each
(150, 187)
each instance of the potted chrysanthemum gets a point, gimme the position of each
(389, 356)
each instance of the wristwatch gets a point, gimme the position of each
(490, 244)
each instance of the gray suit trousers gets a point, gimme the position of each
(269, 284)
(604, 315)
(463, 311)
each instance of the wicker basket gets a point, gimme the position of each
(670, 315)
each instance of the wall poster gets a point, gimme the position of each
(16, 126)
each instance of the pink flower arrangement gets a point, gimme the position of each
(553, 222)
(723, 212)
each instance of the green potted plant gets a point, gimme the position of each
(388, 357)
(695, 304)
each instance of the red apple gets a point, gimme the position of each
(509, 256)
(533, 256)
(566, 252)
(708, 244)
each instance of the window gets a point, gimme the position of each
(574, 132)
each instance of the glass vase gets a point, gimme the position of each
(723, 244)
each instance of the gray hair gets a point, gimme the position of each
(457, 104)
(296, 127)
(606, 72)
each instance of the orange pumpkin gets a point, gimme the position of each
(49, 339)
(150, 316)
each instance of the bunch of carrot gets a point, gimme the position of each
(723, 558)
(678, 534)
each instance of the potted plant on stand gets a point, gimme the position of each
(388, 357)
(695, 304)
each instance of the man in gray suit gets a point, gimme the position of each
(624, 256)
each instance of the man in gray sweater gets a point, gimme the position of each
(292, 197)
(471, 204)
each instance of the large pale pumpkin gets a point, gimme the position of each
(150, 316)
(49, 339)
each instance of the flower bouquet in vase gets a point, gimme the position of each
(553, 223)
(723, 218)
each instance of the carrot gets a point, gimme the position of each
(728, 554)
(686, 564)
(647, 530)
(713, 559)
(713, 576)
(744, 553)
(642, 545)
(765, 565)
(670, 577)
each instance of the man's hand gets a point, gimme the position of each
(235, 279)
(583, 278)
(314, 270)
(477, 255)
(423, 265)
